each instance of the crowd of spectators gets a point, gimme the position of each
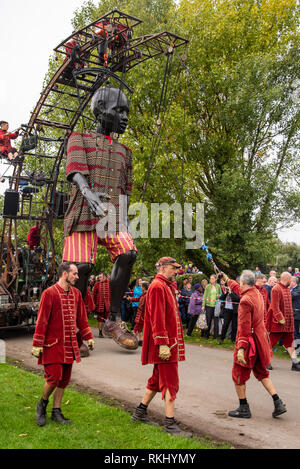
(207, 305)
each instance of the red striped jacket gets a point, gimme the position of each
(107, 167)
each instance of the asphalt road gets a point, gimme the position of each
(206, 391)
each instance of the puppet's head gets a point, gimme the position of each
(111, 108)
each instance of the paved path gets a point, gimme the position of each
(205, 396)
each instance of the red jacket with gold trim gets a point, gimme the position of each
(252, 335)
(162, 324)
(60, 314)
(280, 308)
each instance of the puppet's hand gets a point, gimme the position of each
(241, 356)
(94, 202)
(282, 321)
(36, 351)
(164, 352)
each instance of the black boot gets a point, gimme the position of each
(172, 427)
(57, 416)
(141, 415)
(295, 367)
(41, 414)
(279, 408)
(242, 412)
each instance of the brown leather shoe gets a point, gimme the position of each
(121, 335)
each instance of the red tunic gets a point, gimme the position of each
(59, 315)
(265, 296)
(101, 294)
(162, 324)
(89, 302)
(5, 145)
(251, 327)
(140, 315)
(281, 307)
(34, 238)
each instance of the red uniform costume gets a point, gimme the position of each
(101, 294)
(281, 307)
(265, 296)
(252, 336)
(140, 315)
(34, 238)
(163, 326)
(60, 314)
(89, 302)
(5, 145)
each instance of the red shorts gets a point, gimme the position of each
(58, 374)
(286, 337)
(82, 246)
(241, 374)
(101, 317)
(165, 376)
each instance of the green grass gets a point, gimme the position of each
(96, 424)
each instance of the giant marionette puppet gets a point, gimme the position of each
(100, 169)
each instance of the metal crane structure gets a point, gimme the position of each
(101, 51)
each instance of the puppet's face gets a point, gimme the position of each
(111, 108)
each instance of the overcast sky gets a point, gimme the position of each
(29, 32)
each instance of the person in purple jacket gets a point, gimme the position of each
(195, 307)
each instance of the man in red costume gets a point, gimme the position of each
(101, 295)
(5, 137)
(140, 315)
(163, 345)
(252, 349)
(259, 283)
(54, 342)
(280, 318)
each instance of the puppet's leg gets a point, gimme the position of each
(84, 271)
(119, 280)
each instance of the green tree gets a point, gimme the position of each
(230, 123)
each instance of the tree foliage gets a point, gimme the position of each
(230, 123)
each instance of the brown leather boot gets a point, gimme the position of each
(120, 334)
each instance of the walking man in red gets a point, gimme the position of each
(163, 344)
(54, 342)
(280, 318)
(252, 349)
(140, 315)
(101, 294)
(259, 284)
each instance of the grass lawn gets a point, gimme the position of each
(96, 424)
